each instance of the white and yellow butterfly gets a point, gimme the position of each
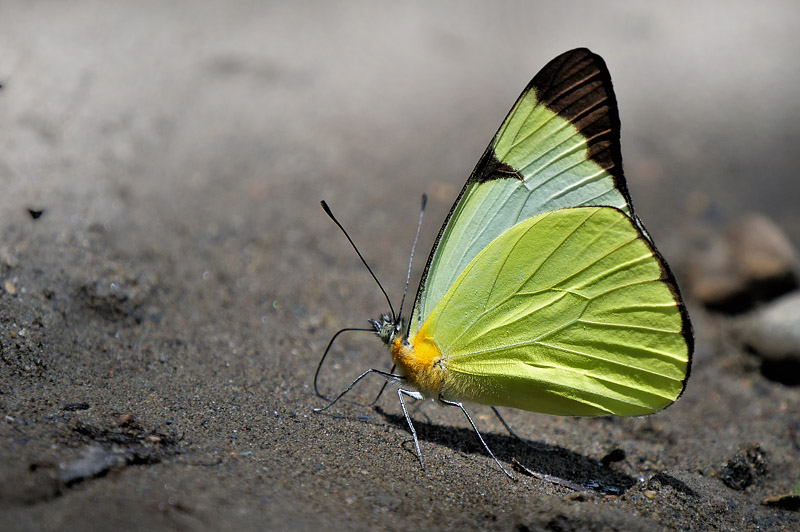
(543, 291)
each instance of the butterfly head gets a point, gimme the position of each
(387, 327)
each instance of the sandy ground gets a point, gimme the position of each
(161, 321)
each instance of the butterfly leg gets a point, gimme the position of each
(385, 384)
(538, 448)
(496, 461)
(416, 395)
(387, 375)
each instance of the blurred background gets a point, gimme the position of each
(142, 100)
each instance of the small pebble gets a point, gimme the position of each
(752, 260)
(773, 331)
(9, 287)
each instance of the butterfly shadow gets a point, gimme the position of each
(551, 463)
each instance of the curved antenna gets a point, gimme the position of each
(319, 366)
(329, 213)
(411, 258)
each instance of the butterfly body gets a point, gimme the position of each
(421, 363)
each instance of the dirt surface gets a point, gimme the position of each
(168, 281)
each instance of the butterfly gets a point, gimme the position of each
(543, 290)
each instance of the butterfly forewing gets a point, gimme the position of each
(557, 148)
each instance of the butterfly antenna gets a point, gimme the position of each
(413, 247)
(332, 217)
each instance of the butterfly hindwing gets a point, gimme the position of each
(571, 312)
